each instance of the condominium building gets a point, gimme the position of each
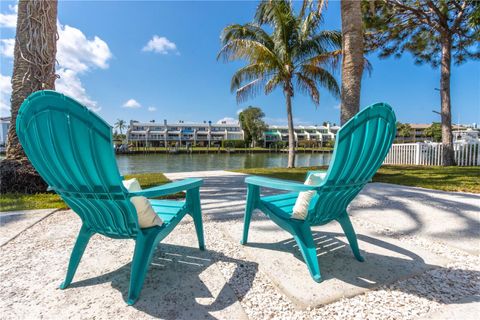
(177, 134)
(211, 134)
(4, 125)
(301, 133)
(417, 132)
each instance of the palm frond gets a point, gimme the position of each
(249, 90)
(249, 73)
(322, 77)
(273, 83)
(247, 31)
(309, 87)
(251, 50)
(328, 60)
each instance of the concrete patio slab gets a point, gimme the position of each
(183, 282)
(386, 260)
(14, 222)
(449, 217)
(465, 309)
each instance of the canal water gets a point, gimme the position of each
(142, 163)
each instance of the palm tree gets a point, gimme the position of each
(353, 61)
(33, 70)
(294, 52)
(404, 130)
(120, 125)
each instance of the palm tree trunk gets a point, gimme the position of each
(33, 70)
(291, 132)
(352, 63)
(447, 137)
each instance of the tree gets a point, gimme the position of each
(295, 54)
(33, 70)
(120, 125)
(404, 130)
(253, 126)
(434, 132)
(434, 32)
(353, 61)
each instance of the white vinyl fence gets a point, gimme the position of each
(430, 154)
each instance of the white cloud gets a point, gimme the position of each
(228, 120)
(160, 45)
(76, 56)
(239, 111)
(152, 109)
(132, 103)
(69, 83)
(9, 20)
(337, 106)
(5, 92)
(77, 53)
(6, 47)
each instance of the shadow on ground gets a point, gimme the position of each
(389, 263)
(182, 283)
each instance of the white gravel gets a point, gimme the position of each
(33, 263)
(406, 299)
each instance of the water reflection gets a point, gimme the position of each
(198, 162)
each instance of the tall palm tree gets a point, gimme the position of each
(404, 130)
(295, 54)
(33, 70)
(353, 61)
(120, 125)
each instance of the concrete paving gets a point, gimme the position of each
(386, 260)
(444, 217)
(452, 218)
(184, 283)
(13, 223)
(465, 309)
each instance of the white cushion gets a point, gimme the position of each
(146, 216)
(300, 209)
(132, 185)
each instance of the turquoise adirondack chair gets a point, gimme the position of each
(71, 147)
(360, 148)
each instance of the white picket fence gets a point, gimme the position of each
(430, 154)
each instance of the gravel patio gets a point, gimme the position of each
(421, 247)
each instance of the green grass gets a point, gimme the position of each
(441, 178)
(49, 200)
(14, 201)
(466, 179)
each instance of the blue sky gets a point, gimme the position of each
(106, 61)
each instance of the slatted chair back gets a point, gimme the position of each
(71, 148)
(361, 146)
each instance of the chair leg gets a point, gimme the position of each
(195, 209)
(347, 227)
(82, 241)
(252, 196)
(144, 248)
(307, 247)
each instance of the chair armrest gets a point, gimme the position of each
(169, 188)
(316, 172)
(278, 184)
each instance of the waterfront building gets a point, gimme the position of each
(417, 132)
(316, 134)
(154, 134)
(4, 125)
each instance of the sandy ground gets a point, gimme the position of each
(420, 247)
